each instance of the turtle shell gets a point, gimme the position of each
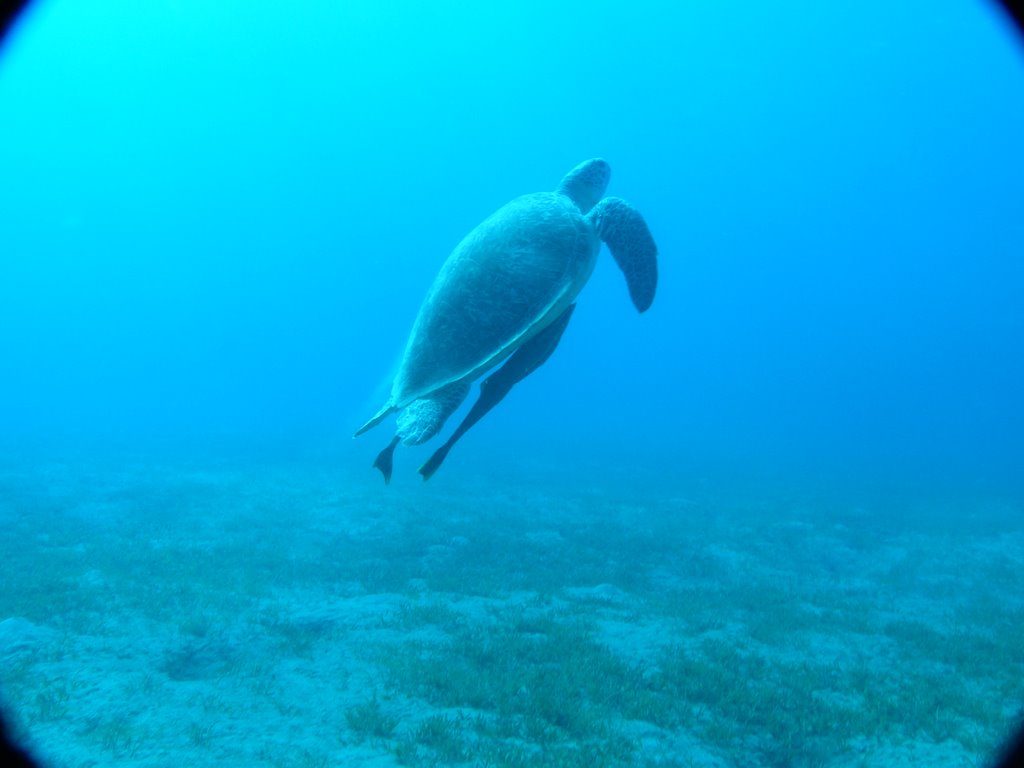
(507, 279)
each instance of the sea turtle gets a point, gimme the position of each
(506, 294)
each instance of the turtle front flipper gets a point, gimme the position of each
(528, 358)
(625, 232)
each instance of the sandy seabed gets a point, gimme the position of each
(276, 613)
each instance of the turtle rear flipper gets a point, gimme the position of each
(528, 358)
(625, 232)
(385, 460)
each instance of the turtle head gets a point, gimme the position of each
(585, 184)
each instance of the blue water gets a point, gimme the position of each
(218, 220)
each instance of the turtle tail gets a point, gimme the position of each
(382, 414)
(625, 232)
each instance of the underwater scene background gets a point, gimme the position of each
(776, 520)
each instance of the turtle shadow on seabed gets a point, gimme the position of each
(504, 297)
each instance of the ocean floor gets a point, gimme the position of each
(198, 613)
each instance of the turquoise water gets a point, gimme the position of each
(776, 520)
